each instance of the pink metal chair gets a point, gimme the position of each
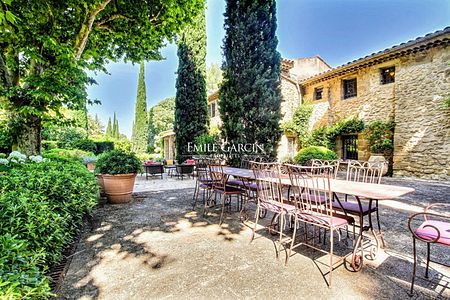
(219, 187)
(434, 229)
(270, 198)
(314, 206)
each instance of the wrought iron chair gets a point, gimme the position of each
(434, 229)
(362, 172)
(333, 164)
(313, 206)
(219, 187)
(204, 181)
(184, 169)
(270, 198)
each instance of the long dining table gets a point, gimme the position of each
(359, 190)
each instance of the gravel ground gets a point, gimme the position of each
(157, 247)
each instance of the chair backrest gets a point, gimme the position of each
(364, 172)
(333, 164)
(219, 178)
(268, 181)
(201, 163)
(245, 162)
(311, 190)
(185, 169)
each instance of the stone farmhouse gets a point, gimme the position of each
(406, 83)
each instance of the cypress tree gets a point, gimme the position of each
(250, 96)
(140, 127)
(191, 106)
(109, 131)
(115, 130)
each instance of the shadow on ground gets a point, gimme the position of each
(158, 247)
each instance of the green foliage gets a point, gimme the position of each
(139, 140)
(85, 144)
(103, 146)
(326, 136)
(109, 130)
(49, 145)
(115, 128)
(203, 141)
(41, 208)
(95, 126)
(191, 104)
(300, 122)
(380, 136)
(67, 137)
(66, 154)
(6, 140)
(305, 155)
(250, 97)
(118, 162)
(214, 78)
(47, 52)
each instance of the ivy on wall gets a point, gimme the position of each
(326, 136)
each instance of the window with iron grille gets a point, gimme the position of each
(387, 75)
(349, 86)
(318, 93)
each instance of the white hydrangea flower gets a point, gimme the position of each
(17, 157)
(36, 158)
(4, 161)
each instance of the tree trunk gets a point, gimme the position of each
(29, 138)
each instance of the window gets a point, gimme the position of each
(212, 109)
(349, 88)
(387, 75)
(318, 93)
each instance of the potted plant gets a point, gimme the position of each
(118, 170)
(89, 162)
(380, 137)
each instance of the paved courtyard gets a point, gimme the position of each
(157, 246)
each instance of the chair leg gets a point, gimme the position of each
(378, 224)
(428, 260)
(414, 266)
(195, 196)
(292, 241)
(256, 223)
(331, 255)
(222, 199)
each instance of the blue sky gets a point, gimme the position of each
(337, 30)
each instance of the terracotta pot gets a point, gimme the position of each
(90, 166)
(118, 188)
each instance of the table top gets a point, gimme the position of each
(359, 189)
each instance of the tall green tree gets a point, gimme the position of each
(250, 97)
(161, 117)
(109, 130)
(140, 136)
(191, 108)
(95, 126)
(115, 127)
(49, 45)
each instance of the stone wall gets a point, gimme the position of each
(422, 132)
(413, 101)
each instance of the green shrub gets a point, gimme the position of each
(326, 136)
(49, 145)
(118, 162)
(42, 205)
(380, 136)
(305, 155)
(85, 145)
(103, 146)
(69, 136)
(205, 144)
(67, 154)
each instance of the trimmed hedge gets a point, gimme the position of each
(41, 208)
(103, 147)
(305, 155)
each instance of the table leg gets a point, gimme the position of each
(373, 251)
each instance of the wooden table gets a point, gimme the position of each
(359, 190)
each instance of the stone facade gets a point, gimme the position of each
(413, 101)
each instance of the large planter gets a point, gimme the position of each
(118, 188)
(381, 159)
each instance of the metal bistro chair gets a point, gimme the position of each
(184, 169)
(362, 172)
(270, 198)
(333, 164)
(219, 186)
(314, 207)
(203, 181)
(435, 229)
